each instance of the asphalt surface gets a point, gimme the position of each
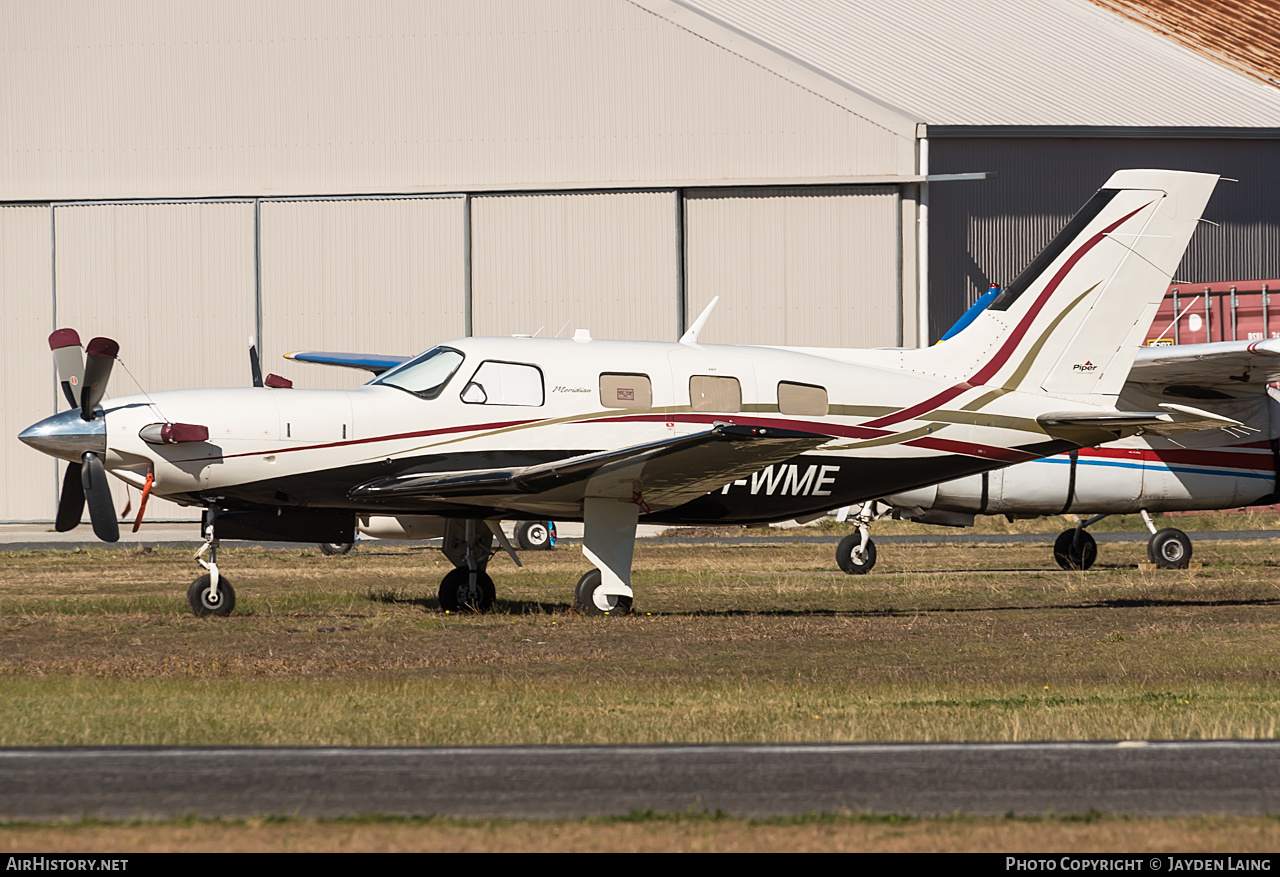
(562, 782)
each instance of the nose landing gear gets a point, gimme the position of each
(210, 594)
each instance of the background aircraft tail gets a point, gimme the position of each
(1071, 323)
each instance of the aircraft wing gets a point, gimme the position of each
(657, 475)
(1222, 364)
(374, 362)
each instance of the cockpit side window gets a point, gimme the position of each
(504, 383)
(425, 376)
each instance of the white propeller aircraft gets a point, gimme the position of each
(613, 433)
(1214, 469)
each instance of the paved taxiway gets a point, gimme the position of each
(1141, 779)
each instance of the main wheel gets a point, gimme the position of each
(1075, 554)
(588, 600)
(457, 593)
(536, 535)
(335, 548)
(1170, 548)
(222, 602)
(853, 557)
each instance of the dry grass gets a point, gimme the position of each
(849, 834)
(766, 643)
(748, 644)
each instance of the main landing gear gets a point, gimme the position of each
(469, 545)
(1169, 548)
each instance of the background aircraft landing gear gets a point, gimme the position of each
(589, 600)
(221, 601)
(1075, 549)
(536, 535)
(331, 549)
(856, 553)
(1169, 548)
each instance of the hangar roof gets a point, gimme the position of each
(1001, 62)
(1239, 33)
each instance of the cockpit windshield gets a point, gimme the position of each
(425, 376)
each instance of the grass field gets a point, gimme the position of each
(759, 643)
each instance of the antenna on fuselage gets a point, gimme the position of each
(691, 335)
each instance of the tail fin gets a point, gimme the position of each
(1072, 322)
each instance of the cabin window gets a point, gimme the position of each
(425, 376)
(711, 393)
(807, 400)
(504, 383)
(626, 391)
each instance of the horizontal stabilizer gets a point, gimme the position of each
(1222, 364)
(1173, 420)
(372, 362)
(657, 475)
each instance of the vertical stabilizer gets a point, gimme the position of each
(1071, 323)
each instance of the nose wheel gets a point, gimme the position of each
(205, 600)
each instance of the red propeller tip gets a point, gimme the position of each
(64, 338)
(103, 347)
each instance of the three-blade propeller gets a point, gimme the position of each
(84, 376)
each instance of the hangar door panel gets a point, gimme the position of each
(604, 262)
(815, 267)
(359, 275)
(29, 477)
(173, 284)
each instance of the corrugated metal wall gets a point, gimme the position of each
(184, 285)
(551, 264)
(808, 267)
(172, 283)
(26, 319)
(366, 276)
(984, 232)
(155, 99)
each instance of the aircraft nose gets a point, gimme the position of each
(67, 435)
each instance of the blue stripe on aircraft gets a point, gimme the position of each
(1186, 470)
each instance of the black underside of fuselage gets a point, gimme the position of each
(806, 485)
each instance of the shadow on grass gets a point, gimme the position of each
(894, 612)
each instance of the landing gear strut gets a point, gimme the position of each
(210, 594)
(467, 587)
(608, 541)
(856, 553)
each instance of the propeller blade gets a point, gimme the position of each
(69, 358)
(102, 512)
(97, 370)
(71, 502)
(255, 364)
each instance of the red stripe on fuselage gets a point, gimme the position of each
(479, 427)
